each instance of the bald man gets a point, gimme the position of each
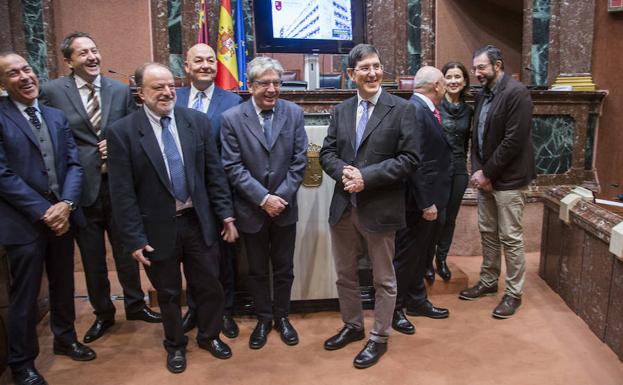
(428, 193)
(204, 96)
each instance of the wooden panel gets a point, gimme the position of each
(553, 247)
(544, 230)
(597, 267)
(570, 274)
(614, 327)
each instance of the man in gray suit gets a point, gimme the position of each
(92, 102)
(265, 154)
(369, 150)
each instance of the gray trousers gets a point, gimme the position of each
(500, 216)
(349, 241)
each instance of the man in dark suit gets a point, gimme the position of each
(40, 181)
(167, 188)
(369, 150)
(204, 96)
(265, 155)
(502, 168)
(91, 103)
(428, 191)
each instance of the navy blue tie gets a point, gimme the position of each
(268, 124)
(174, 160)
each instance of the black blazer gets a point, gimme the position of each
(508, 153)
(142, 197)
(386, 155)
(430, 183)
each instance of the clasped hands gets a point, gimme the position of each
(56, 218)
(274, 205)
(352, 179)
(481, 182)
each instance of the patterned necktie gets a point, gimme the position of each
(268, 124)
(174, 160)
(34, 119)
(93, 109)
(198, 105)
(438, 116)
(361, 126)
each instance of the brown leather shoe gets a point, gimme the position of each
(477, 291)
(507, 307)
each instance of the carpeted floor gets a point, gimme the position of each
(545, 343)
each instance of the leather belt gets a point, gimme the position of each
(184, 212)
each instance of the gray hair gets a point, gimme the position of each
(426, 77)
(261, 64)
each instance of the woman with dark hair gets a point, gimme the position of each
(456, 116)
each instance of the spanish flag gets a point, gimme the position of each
(227, 75)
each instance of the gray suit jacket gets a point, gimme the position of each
(256, 168)
(116, 102)
(386, 155)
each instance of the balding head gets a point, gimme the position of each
(429, 82)
(200, 65)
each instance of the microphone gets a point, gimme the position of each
(112, 71)
(535, 71)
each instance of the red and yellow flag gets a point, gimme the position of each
(227, 75)
(203, 37)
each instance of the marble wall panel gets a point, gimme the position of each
(174, 26)
(614, 328)
(32, 21)
(594, 292)
(539, 55)
(570, 273)
(160, 31)
(414, 36)
(553, 249)
(576, 36)
(553, 139)
(544, 232)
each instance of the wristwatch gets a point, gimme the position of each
(72, 205)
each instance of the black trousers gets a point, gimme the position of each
(201, 268)
(91, 242)
(413, 245)
(227, 276)
(272, 245)
(446, 232)
(26, 263)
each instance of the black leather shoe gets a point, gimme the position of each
(229, 327)
(218, 348)
(344, 337)
(478, 291)
(401, 324)
(443, 270)
(97, 329)
(370, 354)
(28, 376)
(189, 321)
(260, 334)
(429, 275)
(507, 307)
(428, 310)
(176, 361)
(145, 314)
(76, 351)
(288, 334)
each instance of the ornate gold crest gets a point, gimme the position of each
(226, 37)
(313, 171)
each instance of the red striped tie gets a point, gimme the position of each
(438, 116)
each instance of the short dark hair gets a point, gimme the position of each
(493, 53)
(457, 64)
(140, 71)
(359, 52)
(66, 49)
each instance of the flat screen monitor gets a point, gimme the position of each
(309, 26)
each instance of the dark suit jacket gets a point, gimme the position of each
(116, 102)
(430, 183)
(221, 101)
(386, 155)
(23, 177)
(256, 168)
(508, 153)
(141, 193)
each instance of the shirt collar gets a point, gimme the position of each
(194, 91)
(426, 100)
(374, 99)
(155, 118)
(258, 110)
(80, 82)
(21, 106)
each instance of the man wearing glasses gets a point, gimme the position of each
(369, 151)
(264, 153)
(502, 166)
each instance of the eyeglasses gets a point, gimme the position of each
(479, 68)
(367, 69)
(267, 83)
